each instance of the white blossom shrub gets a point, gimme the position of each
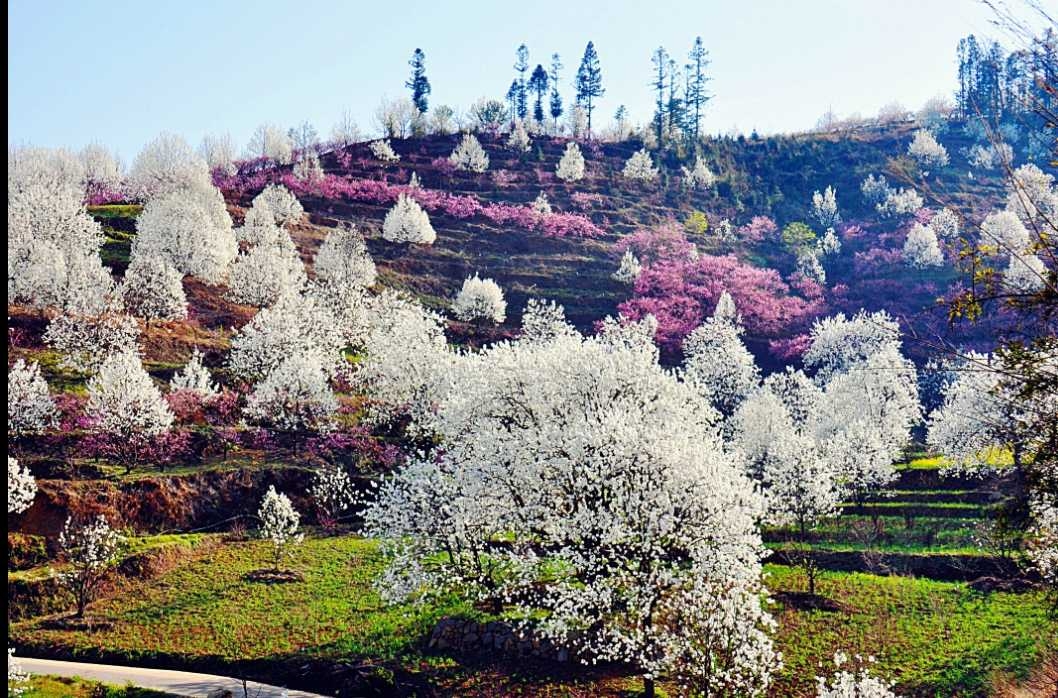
(1032, 194)
(90, 549)
(825, 208)
(717, 363)
(1042, 545)
(219, 153)
(408, 222)
(30, 409)
(1005, 231)
(518, 140)
(541, 205)
(698, 177)
(990, 157)
(853, 684)
(279, 524)
(1025, 273)
(628, 270)
(191, 230)
(875, 190)
(332, 490)
(102, 169)
(640, 167)
(829, 244)
(571, 165)
(268, 270)
(480, 299)
(271, 142)
(85, 341)
(383, 151)
(926, 151)
(21, 487)
(921, 248)
(469, 156)
(809, 264)
(295, 396)
(900, 202)
(343, 259)
(153, 289)
(166, 165)
(17, 677)
(308, 168)
(195, 377)
(277, 200)
(945, 224)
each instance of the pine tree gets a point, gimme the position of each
(417, 83)
(589, 81)
(696, 96)
(555, 102)
(538, 83)
(512, 101)
(521, 94)
(661, 61)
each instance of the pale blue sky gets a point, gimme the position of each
(119, 72)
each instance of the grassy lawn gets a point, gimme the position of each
(63, 687)
(934, 638)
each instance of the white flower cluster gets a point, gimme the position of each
(640, 167)
(571, 165)
(30, 409)
(408, 222)
(926, 151)
(480, 299)
(469, 156)
(21, 487)
(921, 248)
(629, 269)
(383, 151)
(279, 523)
(698, 177)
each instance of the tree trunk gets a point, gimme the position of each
(648, 687)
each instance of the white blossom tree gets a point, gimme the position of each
(571, 165)
(126, 405)
(85, 341)
(899, 202)
(279, 524)
(858, 683)
(269, 269)
(926, 151)
(194, 376)
(480, 299)
(271, 142)
(383, 151)
(294, 397)
(408, 222)
(90, 549)
(165, 165)
(921, 248)
(875, 190)
(277, 200)
(469, 156)
(103, 170)
(308, 168)
(541, 206)
(219, 153)
(1004, 231)
(628, 270)
(698, 177)
(599, 466)
(829, 244)
(153, 289)
(519, 140)
(640, 167)
(1032, 195)
(343, 259)
(945, 224)
(21, 487)
(30, 409)
(825, 208)
(1025, 273)
(17, 677)
(717, 362)
(332, 490)
(191, 230)
(1042, 544)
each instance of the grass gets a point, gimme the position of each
(934, 638)
(76, 687)
(115, 210)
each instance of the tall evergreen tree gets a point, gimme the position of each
(589, 81)
(538, 83)
(697, 95)
(417, 83)
(521, 65)
(660, 59)
(555, 102)
(512, 100)
(674, 107)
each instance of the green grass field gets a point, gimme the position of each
(934, 638)
(62, 687)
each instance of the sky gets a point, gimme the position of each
(120, 72)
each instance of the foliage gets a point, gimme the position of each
(279, 524)
(21, 487)
(90, 549)
(30, 409)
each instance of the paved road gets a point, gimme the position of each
(181, 683)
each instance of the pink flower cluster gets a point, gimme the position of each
(759, 229)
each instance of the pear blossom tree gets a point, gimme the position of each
(191, 230)
(1042, 544)
(945, 224)
(21, 487)
(926, 151)
(717, 362)
(194, 377)
(153, 289)
(295, 397)
(267, 270)
(480, 299)
(332, 491)
(541, 206)
(125, 406)
(279, 524)
(383, 151)
(103, 171)
(343, 259)
(277, 200)
(1005, 232)
(921, 248)
(1033, 196)
(469, 156)
(91, 548)
(829, 244)
(628, 270)
(571, 166)
(518, 140)
(858, 683)
(899, 202)
(698, 177)
(219, 153)
(308, 168)
(601, 465)
(640, 167)
(271, 142)
(85, 341)
(875, 190)
(408, 222)
(17, 677)
(1025, 274)
(30, 409)
(825, 208)
(165, 165)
